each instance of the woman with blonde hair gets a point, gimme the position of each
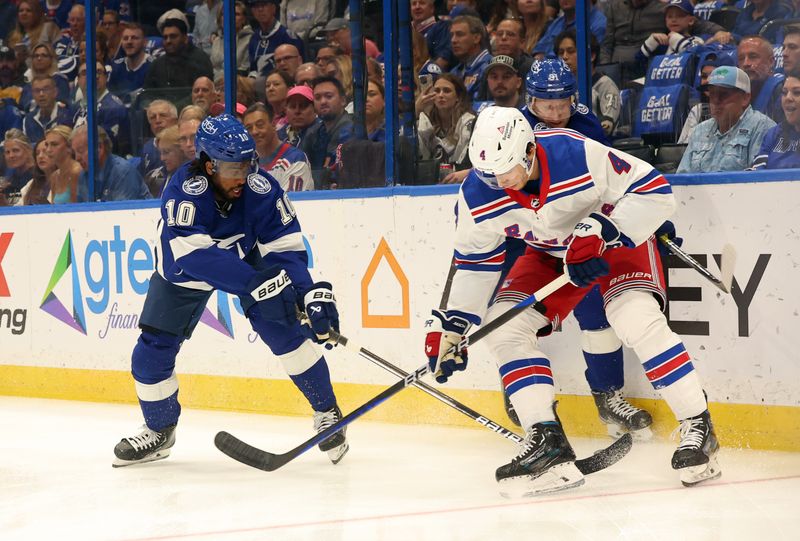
(43, 63)
(32, 27)
(18, 154)
(192, 112)
(64, 180)
(344, 72)
(534, 15)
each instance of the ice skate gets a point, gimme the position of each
(336, 446)
(147, 446)
(696, 456)
(620, 416)
(545, 463)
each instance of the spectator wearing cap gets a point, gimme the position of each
(288, 164)
(337, 32)
(757, 58)
(112, 115)
(679, 20)
(288, 59)
(756, 14)
(631, 22)
(469, 42)
(605, 93)
(48, 112)
(68, 46)
(700, 111)
(18, 155)
(435, 31)
(299, 16)
(504, 84)
(300, 115)
(732, 137)
(128, 73)
(322, 140)
(268, 36)
(116, 179)
(306, 73)
(781, 146)
(10, 80)
(566, 21)
(181, 64)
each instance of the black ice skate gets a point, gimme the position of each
(545, 463)
(147, 446)
(336, 446)
(620, 416)
(696, 456)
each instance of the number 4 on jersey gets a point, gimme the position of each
(620, 166)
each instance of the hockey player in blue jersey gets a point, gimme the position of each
(588, 210)
(553, 103)
(225, 224)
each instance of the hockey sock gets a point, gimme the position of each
(160, 414)
(529, 385)
(315, 384)
(153, 369)
(602, 351)
(672, 374)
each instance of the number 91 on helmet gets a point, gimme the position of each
(501, 148)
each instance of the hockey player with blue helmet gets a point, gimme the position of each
(553, 103)
(226, 224)
(553, 100)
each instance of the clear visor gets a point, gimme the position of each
(234, 169)
(552, 111)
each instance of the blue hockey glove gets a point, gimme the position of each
(592, 236)
(668, 229)
(445, 332)
(275, 296)
(320, 307)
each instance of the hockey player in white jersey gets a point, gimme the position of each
(592, 209)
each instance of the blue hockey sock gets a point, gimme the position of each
(315, 384)
(161, 413)
(604, 371)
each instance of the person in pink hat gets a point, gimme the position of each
(300, 115)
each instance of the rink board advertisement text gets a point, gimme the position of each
(72, 285)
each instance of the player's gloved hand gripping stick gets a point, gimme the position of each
(264, 460)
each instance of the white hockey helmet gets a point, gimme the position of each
(499, 142)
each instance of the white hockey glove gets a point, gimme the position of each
(445, 332)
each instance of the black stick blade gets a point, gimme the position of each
(604, 458)
(246, 454)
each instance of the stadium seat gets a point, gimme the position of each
(635, 146)
(668, 157)
(771, 25)
(725, 17)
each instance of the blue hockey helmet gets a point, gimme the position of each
(225, 139)
(550, 79)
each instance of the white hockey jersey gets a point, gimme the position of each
(578, 176)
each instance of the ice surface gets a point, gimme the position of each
(397, 482)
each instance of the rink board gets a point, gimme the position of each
(72, 285)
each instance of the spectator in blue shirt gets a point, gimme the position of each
(48, 112)
(43, 62)
(565, 21)
(57, 11)
(322, 140)
(758, 13)
(469, 42)
(756, 58)
(269, 35)
(781, 146)
(128, 73)
(115, 178)
(435, 31)
(67, 48)
(112, 115)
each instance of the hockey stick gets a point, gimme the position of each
(600, 460)
(264, 460)
(727, 261)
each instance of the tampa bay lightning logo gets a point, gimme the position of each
(258, 183)
(195, 185)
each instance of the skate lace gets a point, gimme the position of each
(324, 419)
(622, 407)
(528, 443)
(691, 432)
(148, 438)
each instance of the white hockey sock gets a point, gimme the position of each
(534, 404)
(685, 397)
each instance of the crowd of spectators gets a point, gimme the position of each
(721, 80)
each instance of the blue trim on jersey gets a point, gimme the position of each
(577, 189)
(482, 255)
(667, 189)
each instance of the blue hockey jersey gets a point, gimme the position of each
(202, 243)
(582, 121)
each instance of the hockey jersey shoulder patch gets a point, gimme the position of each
(195, 185)
(259, 183)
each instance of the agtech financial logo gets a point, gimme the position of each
(106, 269)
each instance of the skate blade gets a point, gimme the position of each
(560, 477)
(641, 435)
(694, 475)
(337, 453)
(158, 455)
